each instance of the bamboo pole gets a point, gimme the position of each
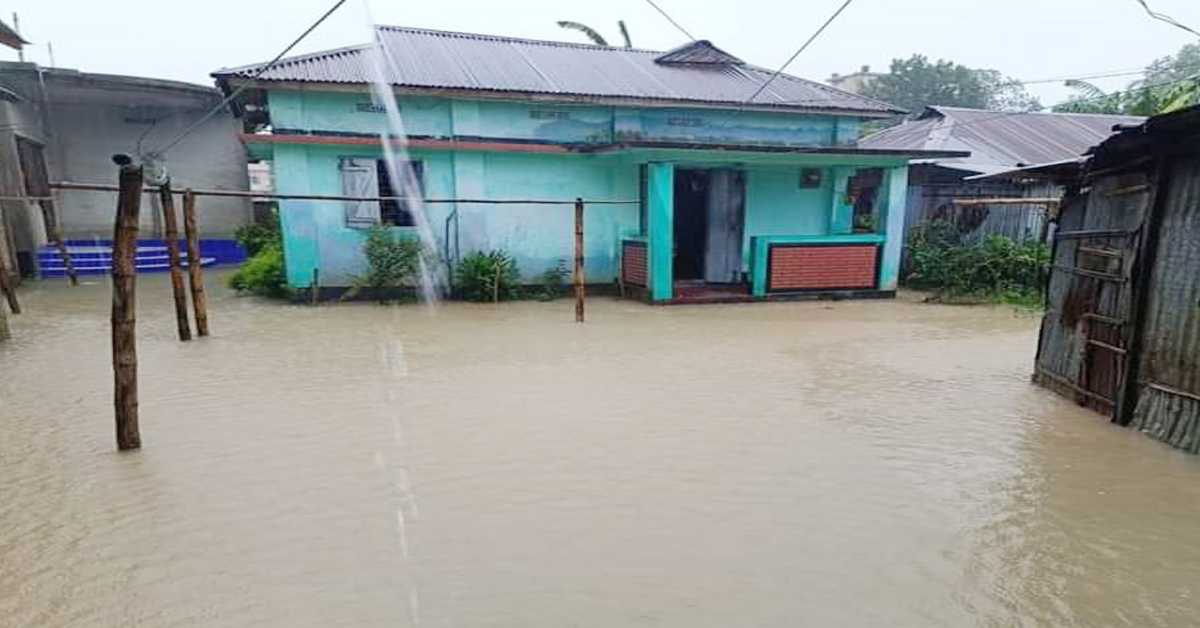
(496, 281)
(124, 318)
(54, 235)
(171, 235)
(7, 288)
(195, 273)
(579, 260)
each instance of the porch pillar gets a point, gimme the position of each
(660, 229)
(841, 216)
(895, 193)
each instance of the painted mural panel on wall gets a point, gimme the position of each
(344, 113)
(727, 127)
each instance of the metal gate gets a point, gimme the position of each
(1083, 347)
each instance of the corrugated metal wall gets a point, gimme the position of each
(934, 200)
(1169, 388)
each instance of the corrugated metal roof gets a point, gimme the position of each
(422, 58)
(999, 141)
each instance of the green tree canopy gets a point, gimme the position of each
(917, 82)
(1170, 83)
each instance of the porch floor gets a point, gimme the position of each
(702, 292)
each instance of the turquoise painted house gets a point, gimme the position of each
(734, 183)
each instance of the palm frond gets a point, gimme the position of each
(1085, 89)
(625, 33)
(591, 33)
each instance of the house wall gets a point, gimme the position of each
(777, 205)
(86, 135)
(538, 236)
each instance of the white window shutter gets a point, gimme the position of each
(361, 179)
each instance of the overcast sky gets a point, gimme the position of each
(1025, 39)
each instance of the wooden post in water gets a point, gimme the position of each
(315, 289)
(171, 234)
(7, 288)
(195, 273)
(124, 318)
(578, 260)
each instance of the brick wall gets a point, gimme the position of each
(822, 267)
(633, 263)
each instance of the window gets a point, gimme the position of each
(369, 178)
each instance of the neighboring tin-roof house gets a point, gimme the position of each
(693, 74)
(999, 140)
(60, 124)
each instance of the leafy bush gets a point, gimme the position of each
(393, 262)
(256, 237)
(490, 276)
(996, 268)
(552, 281)
(262, 274)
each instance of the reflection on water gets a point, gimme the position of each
(878, 463)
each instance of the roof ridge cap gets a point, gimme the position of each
(508, 38)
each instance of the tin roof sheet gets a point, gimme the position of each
(423, 58)
(1000, 140)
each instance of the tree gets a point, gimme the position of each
(916, 82)
(1170, 83)
(595, 35)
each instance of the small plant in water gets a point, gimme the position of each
(393, 264)
(263, 273)
(552, 281)
(490, 276)
(256, 237)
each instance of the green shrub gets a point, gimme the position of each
(393, 262)
(552, 281)
(996, 268)
(490, 276)
(262, 274)
(255, 238)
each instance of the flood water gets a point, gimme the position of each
(870, 463)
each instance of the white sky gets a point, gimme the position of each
(1026, 39)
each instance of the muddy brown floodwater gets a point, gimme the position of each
(871, 463)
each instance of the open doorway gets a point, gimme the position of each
(691, 223)
(709, 221)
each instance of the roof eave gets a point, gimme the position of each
(235, 81)
(765, 148)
